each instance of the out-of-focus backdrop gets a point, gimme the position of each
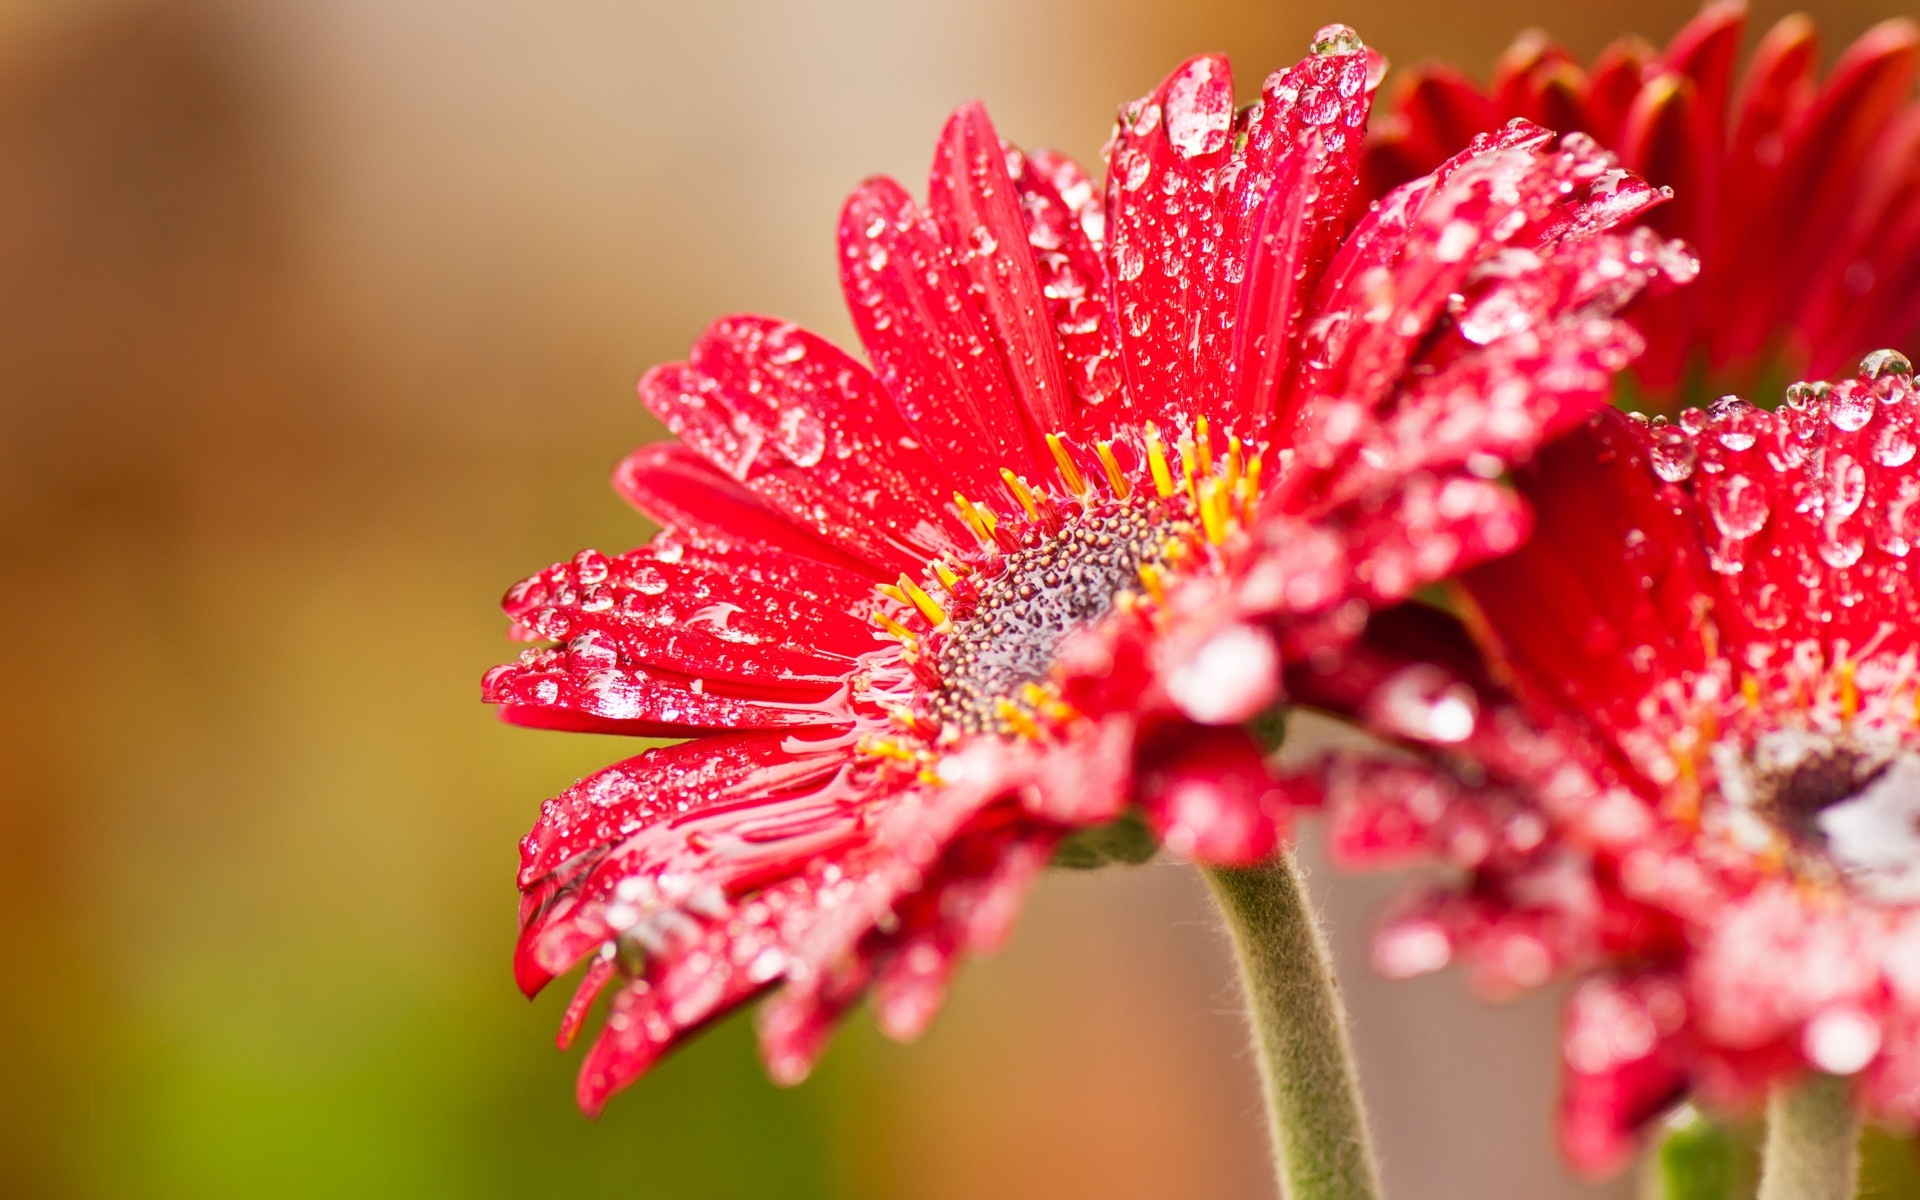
(318, 326)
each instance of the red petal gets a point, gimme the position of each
(809, 430)
(928, 343)
(767, 622)
(1444, 110)
(1705, 51)
(971, 197)
(1610, 1091)
(1615, 84)
(1065, 217)
(1568, 618)
(550, 689)
(1207, 793)
(1164, 212)
(681, 491)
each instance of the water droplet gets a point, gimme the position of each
(1738, 506)
(648, 580)
(1846, 487)
(1851, 408)
(1336, 39)
(1894, 447)
(1671, 454)
(1128, 262)
(1841, 548)
(1885, 362)
(801, 437)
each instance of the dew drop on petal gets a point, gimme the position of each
(1672, 455)
(1738, 506)
(1894, 447)
(1336, 39)
(1850, 409)
(1885, 362)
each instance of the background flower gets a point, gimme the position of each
(1797, 190)
(1697, 773)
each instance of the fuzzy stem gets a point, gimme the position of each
(1813, 1142)
(1321, 1149)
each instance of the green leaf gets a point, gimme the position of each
(1127, 840)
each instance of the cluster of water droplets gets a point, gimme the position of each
(1825, 474)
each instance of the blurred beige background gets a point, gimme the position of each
(318, 326)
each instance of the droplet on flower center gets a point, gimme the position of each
(1044, 592)
(1852, 810)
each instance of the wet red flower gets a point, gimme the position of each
(927, 620)
(1801, 195)
(1685, 760)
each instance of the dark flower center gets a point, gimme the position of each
(1850, 810)
(1042, 592)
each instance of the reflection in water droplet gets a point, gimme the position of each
(1738, 506)
(1885, 362)
(1672, 454)
(1336, 39)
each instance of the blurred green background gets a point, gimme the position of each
(318, 326)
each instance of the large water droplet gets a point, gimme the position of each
(1336, 39)
(1852, 408)
(1671, 454)
(1885, 362)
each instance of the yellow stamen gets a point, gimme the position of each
(1157, 463)
(1849, 693)
(1069, 470)
(1045, 700)
(977, 519)
(1115, 480)
(893, 593)
(1186, 471)
(1016, 719)
(1213, 511)
(932, 778)
(948, 579)
(1250, 490)
(1154, 582)
(894, 627)
(1021, 492)
(928, 606)
(1750, 691)
(886, 748)
(1235, 464)
(1203, 445)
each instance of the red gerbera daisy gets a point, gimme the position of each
(926, 620)
(1699, 771)
(1801, 195)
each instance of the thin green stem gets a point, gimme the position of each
(1813, 1142)
(1321, 1149)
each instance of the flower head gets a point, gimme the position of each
(1686, 760)
(1023, 577)
(1799, 193)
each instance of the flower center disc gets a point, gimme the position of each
(1850, 810)
(1042, 593)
